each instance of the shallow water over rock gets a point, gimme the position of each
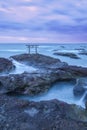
(62, 91)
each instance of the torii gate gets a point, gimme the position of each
(32, 46)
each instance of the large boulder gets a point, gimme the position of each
(6, 65)
(50, 64)
(40, 61)
(25, 83)
(80, 87)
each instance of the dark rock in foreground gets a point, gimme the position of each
(47, 115)
(6, 65)
(71, 55)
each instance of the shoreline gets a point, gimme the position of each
(50, 71)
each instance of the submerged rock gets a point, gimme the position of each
(83, 53)
(6, 65)
(67, 54)
(80, 49)
(80, 87)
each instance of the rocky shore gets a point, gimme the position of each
(67, 54)
(47, 115)
(17, 114)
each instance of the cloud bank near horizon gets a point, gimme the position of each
(43, 21)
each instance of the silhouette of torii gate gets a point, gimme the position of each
(29, 46)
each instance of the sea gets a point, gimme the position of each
(62, 91)
(7, 50)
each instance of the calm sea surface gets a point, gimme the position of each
(7, 50)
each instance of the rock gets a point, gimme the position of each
(30, 84)
(86, 105)
(62, 46)
(6, 65)
(83, 52)
(40, 61)
(25, 83)
(80, 49)
(18, 114)
(67, 54)
(75, 71)
(80, 87)
(41, 81)
(46, 115)
(47, 64)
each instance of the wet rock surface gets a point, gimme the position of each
(47, 115)
(39, 60)
(71, 55)
(50, 71)
(25, 83)
(80, 87)
(6, 65)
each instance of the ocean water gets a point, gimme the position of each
(63, 90)
(7, 50)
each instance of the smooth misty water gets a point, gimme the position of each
(20, 68)
(7, 50)
(63, 90)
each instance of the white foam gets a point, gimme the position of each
(20, 68)
(12, 50)
(81, 101)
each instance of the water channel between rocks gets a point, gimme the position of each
(62, 91)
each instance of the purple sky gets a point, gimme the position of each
(43, 21)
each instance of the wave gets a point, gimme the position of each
(21, 68)
(12, 50)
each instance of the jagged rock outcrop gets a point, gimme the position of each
(40, 61)
(24, 83)
(6, 65)
(48, 63)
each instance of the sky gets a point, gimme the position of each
(43, 21)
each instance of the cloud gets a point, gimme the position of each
(44, 19)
